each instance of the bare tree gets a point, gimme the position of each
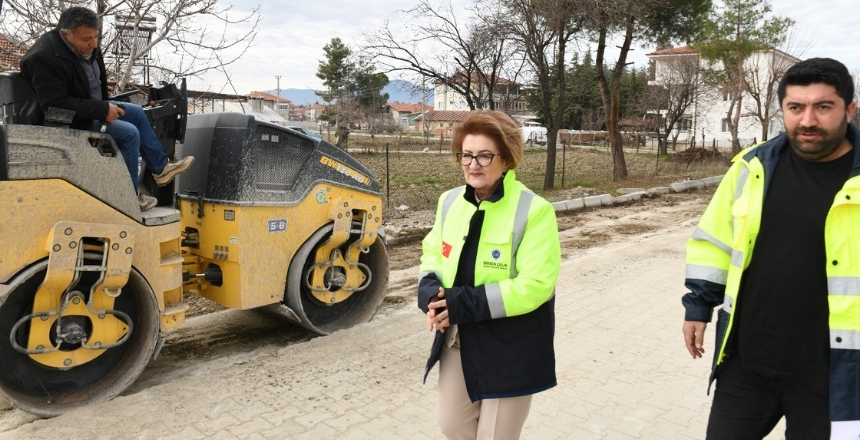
(737, 31)
(593, 119)
(542, 31)
(431, 43)
(174, 38)
(660, 21)
(762, 76)
(610, 88)
(676, 86)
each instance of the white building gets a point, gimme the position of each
(707, 116)
(507, 97)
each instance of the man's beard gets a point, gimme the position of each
(827, 143)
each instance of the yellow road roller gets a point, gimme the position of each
(266, 218)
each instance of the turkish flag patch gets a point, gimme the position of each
(446, 249)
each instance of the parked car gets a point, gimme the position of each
(305, 131)
(534, 135)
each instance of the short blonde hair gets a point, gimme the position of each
(497, 126)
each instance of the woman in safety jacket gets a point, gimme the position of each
(487, 284)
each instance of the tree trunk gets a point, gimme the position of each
(549, 174)
(611, 97)
(619, 165)
(342, 135)
(554, 117)
(736, 143)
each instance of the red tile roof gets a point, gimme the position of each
(447, 115)
(683, 50)
(10, 54)
(408, 108)
(267, 97)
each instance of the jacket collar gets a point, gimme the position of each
(61, 47)
(768, 153)
(497, 194)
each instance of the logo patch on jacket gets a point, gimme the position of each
(446, 249)
(495, 254)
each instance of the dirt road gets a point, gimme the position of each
(622, 369)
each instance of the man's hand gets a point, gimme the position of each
(694, 335)
(114, 112)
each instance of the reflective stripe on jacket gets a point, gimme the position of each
(506, 320)
(721, 247)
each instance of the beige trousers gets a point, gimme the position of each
(489, 419)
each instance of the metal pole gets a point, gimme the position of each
(278, 104)
(387, 179)
(563, 160)
(4, 154)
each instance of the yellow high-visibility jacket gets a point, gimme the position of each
(721, 249)
(506, 320)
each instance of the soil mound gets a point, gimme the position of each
(697, 155)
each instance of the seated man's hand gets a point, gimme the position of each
(113, 113)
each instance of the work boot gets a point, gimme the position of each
(172, 170)
(146, 202)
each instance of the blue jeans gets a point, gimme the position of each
(135, 138)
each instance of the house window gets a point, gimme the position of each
(686, 124)
(727, 96)
(725, 125)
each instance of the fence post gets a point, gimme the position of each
(563, 160)
(387, 179)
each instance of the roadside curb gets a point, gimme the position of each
(626, 195)
(632, 194)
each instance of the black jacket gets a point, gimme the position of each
(54, 72)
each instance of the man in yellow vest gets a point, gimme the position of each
(778, 249)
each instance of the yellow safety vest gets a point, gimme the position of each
(721, 247)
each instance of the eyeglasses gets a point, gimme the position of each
(484, 159)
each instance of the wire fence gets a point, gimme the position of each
(648, 141)
(413, 174)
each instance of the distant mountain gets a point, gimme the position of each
(398, 90)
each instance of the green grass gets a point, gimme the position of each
(415, 180)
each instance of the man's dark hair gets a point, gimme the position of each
(76, 17)
(819, 71)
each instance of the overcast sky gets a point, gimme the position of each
(292, 35)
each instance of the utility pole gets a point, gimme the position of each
(278, 104)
